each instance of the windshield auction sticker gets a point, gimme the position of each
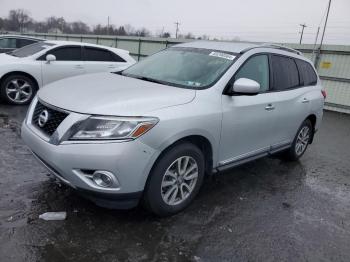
(222, 55)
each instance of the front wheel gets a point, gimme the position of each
(301, 141)
(175, 180)
(17, 89)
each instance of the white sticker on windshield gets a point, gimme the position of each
(222, 55)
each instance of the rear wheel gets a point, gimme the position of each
(17, 89)
(301, 141)
(175, 180)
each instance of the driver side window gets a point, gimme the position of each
(256, 68)
(68, 53)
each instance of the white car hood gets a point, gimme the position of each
(112, 94)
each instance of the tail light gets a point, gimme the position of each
(324, 93)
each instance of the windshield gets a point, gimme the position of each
(30, 49)
(184, 67)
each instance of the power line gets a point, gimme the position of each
(302, 32)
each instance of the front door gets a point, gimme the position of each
(247, 124)
(68, 63)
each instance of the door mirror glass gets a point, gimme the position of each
(246, 86)
(50, 58)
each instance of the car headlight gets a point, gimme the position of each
(110, 128)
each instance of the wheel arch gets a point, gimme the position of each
(313, 120)
(20, 73)
(202, 142)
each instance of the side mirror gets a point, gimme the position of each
(50, 58)
(245, 86)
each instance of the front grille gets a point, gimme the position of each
(55, 118)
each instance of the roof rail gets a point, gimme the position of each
(275, 46)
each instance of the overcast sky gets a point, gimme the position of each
(254, 20)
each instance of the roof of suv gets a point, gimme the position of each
(235, 47)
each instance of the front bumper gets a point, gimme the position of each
(130, 162)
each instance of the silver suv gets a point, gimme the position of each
(153, 131)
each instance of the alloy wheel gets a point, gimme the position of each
(179, 180)
(19, 91)
(302, 140)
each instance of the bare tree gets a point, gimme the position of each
(129, 29)
(80, 28)
(18, 19)
(143, 32)
(189, 36)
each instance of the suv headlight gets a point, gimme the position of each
(111, 128)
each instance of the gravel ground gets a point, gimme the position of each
(267, 210)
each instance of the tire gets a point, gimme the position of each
(301, 139)
(17, 89)
(165, 176)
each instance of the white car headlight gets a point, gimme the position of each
(111, 128)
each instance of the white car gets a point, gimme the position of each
(9, 43)
(25, 70)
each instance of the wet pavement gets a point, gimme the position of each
(267, 210)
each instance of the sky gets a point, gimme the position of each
(250, 20)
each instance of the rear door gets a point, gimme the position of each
(68, 63)
(291, 100)
(101, 60)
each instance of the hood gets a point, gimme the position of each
(112, 94)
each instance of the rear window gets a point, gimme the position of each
(100, 55)
(21, 42)
(31, 49)
(8, 43)
(285, 73)
(307, 73)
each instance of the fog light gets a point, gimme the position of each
(104, 179)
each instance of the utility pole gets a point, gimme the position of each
(314, 47)
(108, 25)
(177, 28)
(324, 30)
(302, 32)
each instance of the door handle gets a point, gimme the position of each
(79, 67)
(305, 100)
(269, 107)
(111, 66)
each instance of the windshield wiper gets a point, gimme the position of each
(145, 78)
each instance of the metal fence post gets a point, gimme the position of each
(116, 42)
(139, 51)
